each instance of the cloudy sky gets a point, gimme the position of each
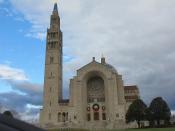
(136, 36)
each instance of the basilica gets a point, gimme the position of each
(98, 97)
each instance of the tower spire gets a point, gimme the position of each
(55, 19)
(55, 7)
(53, 63)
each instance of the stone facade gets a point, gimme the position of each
(97, 94)
(131, 94)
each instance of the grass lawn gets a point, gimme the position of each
(149, 129)
(152, 129)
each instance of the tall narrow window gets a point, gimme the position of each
(52, 45)
(51, 60)
(63, 116)
(67, 116)
(51, 74)
(88, 117)
(96, 116)
(59, 117)
(49, 116)
(104, 116)
(117, 115)
(54, 20)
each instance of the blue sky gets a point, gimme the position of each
(137, 38)
(18, 50)
(20, 55)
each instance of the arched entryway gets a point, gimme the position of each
(95, 98)
(95, 90)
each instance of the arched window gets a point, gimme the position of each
(95, 90)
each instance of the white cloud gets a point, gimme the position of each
(33, 106)
(10, 73)
(173, 112)
(27, 87)
(27, 103)
(137, 37)
(37, 35)
(37, 13)
(27, 95)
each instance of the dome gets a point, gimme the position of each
(111, 68)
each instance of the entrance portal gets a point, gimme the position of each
(95, 98)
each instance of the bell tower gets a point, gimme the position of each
(53, 62)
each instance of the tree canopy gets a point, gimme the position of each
(8, 113)
(136, 111)
(159, 110)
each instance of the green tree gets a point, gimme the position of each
(8, 113)
(149, 117)
(136, 112)
(160, 110)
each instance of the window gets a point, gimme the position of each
(88, 117)
(49, 116)
(67, 116)
(52, 45)
(63, 116)
(51, 60)
(54, 20)
(104, 116)
(96, 116)
(117, 115)
(95, 84)
(59, 117)
(53, 35)
(51, 74)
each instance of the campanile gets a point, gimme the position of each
(53, 62)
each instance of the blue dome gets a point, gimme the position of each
(111, 68)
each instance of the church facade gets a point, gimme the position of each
(98, 97)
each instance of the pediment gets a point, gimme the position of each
(89, 65)
(96, 66)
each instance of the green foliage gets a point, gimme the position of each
(136, 111)
(159, 110)
(8, 113)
